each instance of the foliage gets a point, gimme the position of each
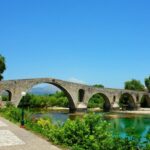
(44, 122)
(96, 101)
(126, 102)
(147, 83)
(5, 98)
(90, 133)
(11, 113)
(58, 99)
(134, 85)
(41, 101)
(9, 104)
(2, 66)
(98, 85)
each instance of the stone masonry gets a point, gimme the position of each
(78, 94)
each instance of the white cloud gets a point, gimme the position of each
(75, 80)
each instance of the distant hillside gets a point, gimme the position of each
(43, 90)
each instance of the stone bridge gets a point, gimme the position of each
(78, 94)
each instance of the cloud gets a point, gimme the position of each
(75, 80)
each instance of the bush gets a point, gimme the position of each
(9, 104)
(89, 133)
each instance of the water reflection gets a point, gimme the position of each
(121, 122)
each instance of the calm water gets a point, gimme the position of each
(120, 122)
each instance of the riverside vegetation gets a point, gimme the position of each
(44, 101)
(58, 99)
(90, 132)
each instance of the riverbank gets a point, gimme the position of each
(139, 111)
(66, 110)
(77, 133)
(146, 112)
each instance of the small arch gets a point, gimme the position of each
(145, 101)
(5, 95)
(114, 98)
(127, 102)
(99, 100)
(81, 95)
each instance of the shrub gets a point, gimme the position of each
(89, 133)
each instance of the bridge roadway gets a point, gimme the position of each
(12, 137)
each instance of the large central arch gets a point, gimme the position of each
(66, 92)
(106, 102)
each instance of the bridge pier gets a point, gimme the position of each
(115, 102)
(81, 107)
(78, 94)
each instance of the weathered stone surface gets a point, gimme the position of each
(16, 87)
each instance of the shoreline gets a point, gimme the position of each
(140, 111)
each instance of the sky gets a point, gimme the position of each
(89, 41)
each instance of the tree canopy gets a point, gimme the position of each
(134, 85)
(98, 85)
(40, 101)
(2, 66)
(147, 83)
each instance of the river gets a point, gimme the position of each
(120, 122)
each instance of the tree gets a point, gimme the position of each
(134, 85)
(2, 66)
(147, 83)
(99, 85)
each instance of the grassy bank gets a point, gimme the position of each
(89, 133)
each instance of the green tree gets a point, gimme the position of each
(98, 85)
(96, 101)
(147, 83)
(2, 66)
(40, 101)
(134, 85)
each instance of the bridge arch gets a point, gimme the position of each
(59, 86)
(145, 101)
(127, 101)
(6, 95)
(100, 98)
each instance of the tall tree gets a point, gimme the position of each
(147, 83)
(134, 85)
(2, 66)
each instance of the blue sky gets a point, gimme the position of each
(94, 41)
